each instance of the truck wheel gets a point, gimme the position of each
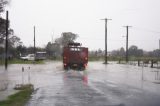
(82, 68)
(66, 68)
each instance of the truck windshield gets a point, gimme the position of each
(75, 49)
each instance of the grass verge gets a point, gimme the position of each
(20, 98)
(19, 61)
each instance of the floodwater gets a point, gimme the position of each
(99, 85)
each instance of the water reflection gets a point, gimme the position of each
(85, 77)
(76, 76)
(3, 81)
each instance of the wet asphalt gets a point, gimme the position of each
(99, 85)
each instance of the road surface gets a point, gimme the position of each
(98, 85)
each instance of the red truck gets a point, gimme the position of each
(75, 56)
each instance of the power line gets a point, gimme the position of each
(146, 30)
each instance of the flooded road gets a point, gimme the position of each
(98, 85)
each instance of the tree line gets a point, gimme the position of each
(55, 49)
(134, 53)
(13, 40)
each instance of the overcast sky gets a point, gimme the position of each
(52, 17)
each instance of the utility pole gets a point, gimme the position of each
(106, 20)
(34, 41)
(6, 44)
(159, 43)
(127, 43)
(52, 37)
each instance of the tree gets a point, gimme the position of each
(21, 50)
(122, 52)
(53, 49)
(14, 41)
(134, 51)
(3, 3)
(156, 53)
(2, 30)
(140, 52)
(66, 38)
(49, 49)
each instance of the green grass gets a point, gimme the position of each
(95, 58)
(117, 58)
(20, 98)
(19, 61)
(101, 58)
